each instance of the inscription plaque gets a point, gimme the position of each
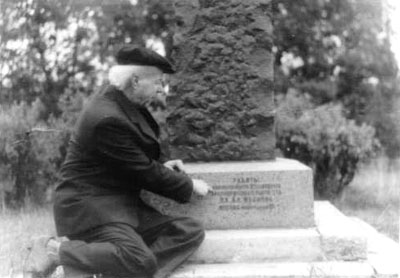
(274, 194)
(247, 193)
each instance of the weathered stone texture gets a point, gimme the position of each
(247, 195)
(222, 103)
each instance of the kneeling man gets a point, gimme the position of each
(113, 154)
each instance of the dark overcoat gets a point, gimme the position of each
(113, 154)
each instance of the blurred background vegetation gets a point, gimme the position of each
(336, 83)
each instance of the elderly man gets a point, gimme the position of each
(114, 153)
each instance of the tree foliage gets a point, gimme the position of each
(54, 55)
(49, 48)
(336, 54)
(339, 51)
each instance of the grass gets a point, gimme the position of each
(373, 196)
(16, 229)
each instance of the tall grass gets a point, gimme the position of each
(16, 230)
(374, 196)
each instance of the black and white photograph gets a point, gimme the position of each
(199, 138)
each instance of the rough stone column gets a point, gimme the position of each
(222, 104)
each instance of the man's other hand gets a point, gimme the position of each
(201, 188)
(175, 165)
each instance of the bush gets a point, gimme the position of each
(324, 139)
(30, 153)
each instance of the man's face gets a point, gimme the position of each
(150, 88)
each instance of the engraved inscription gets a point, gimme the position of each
(248, 193)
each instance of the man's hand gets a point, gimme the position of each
(175, 165)
(201, 188)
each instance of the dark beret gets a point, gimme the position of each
(133, 55)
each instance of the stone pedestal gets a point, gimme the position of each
(264, 211)
(379, 258)
(259, 245)
(313, 239)
(248, 195)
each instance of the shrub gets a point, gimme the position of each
(321, 137)
(30, 153)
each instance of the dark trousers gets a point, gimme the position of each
(154, 249)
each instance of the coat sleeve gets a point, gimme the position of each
(118, 146)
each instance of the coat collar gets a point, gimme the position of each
(136, 113)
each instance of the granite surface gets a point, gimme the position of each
(259, 194)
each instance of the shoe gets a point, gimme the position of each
(40, 263)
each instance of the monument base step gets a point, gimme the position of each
(274, 245)
(278, 270)
(335, 238)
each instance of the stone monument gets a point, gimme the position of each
(261, 220)
(223, 109)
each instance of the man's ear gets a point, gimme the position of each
(134, 81)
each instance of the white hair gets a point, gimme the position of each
(121, 75)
